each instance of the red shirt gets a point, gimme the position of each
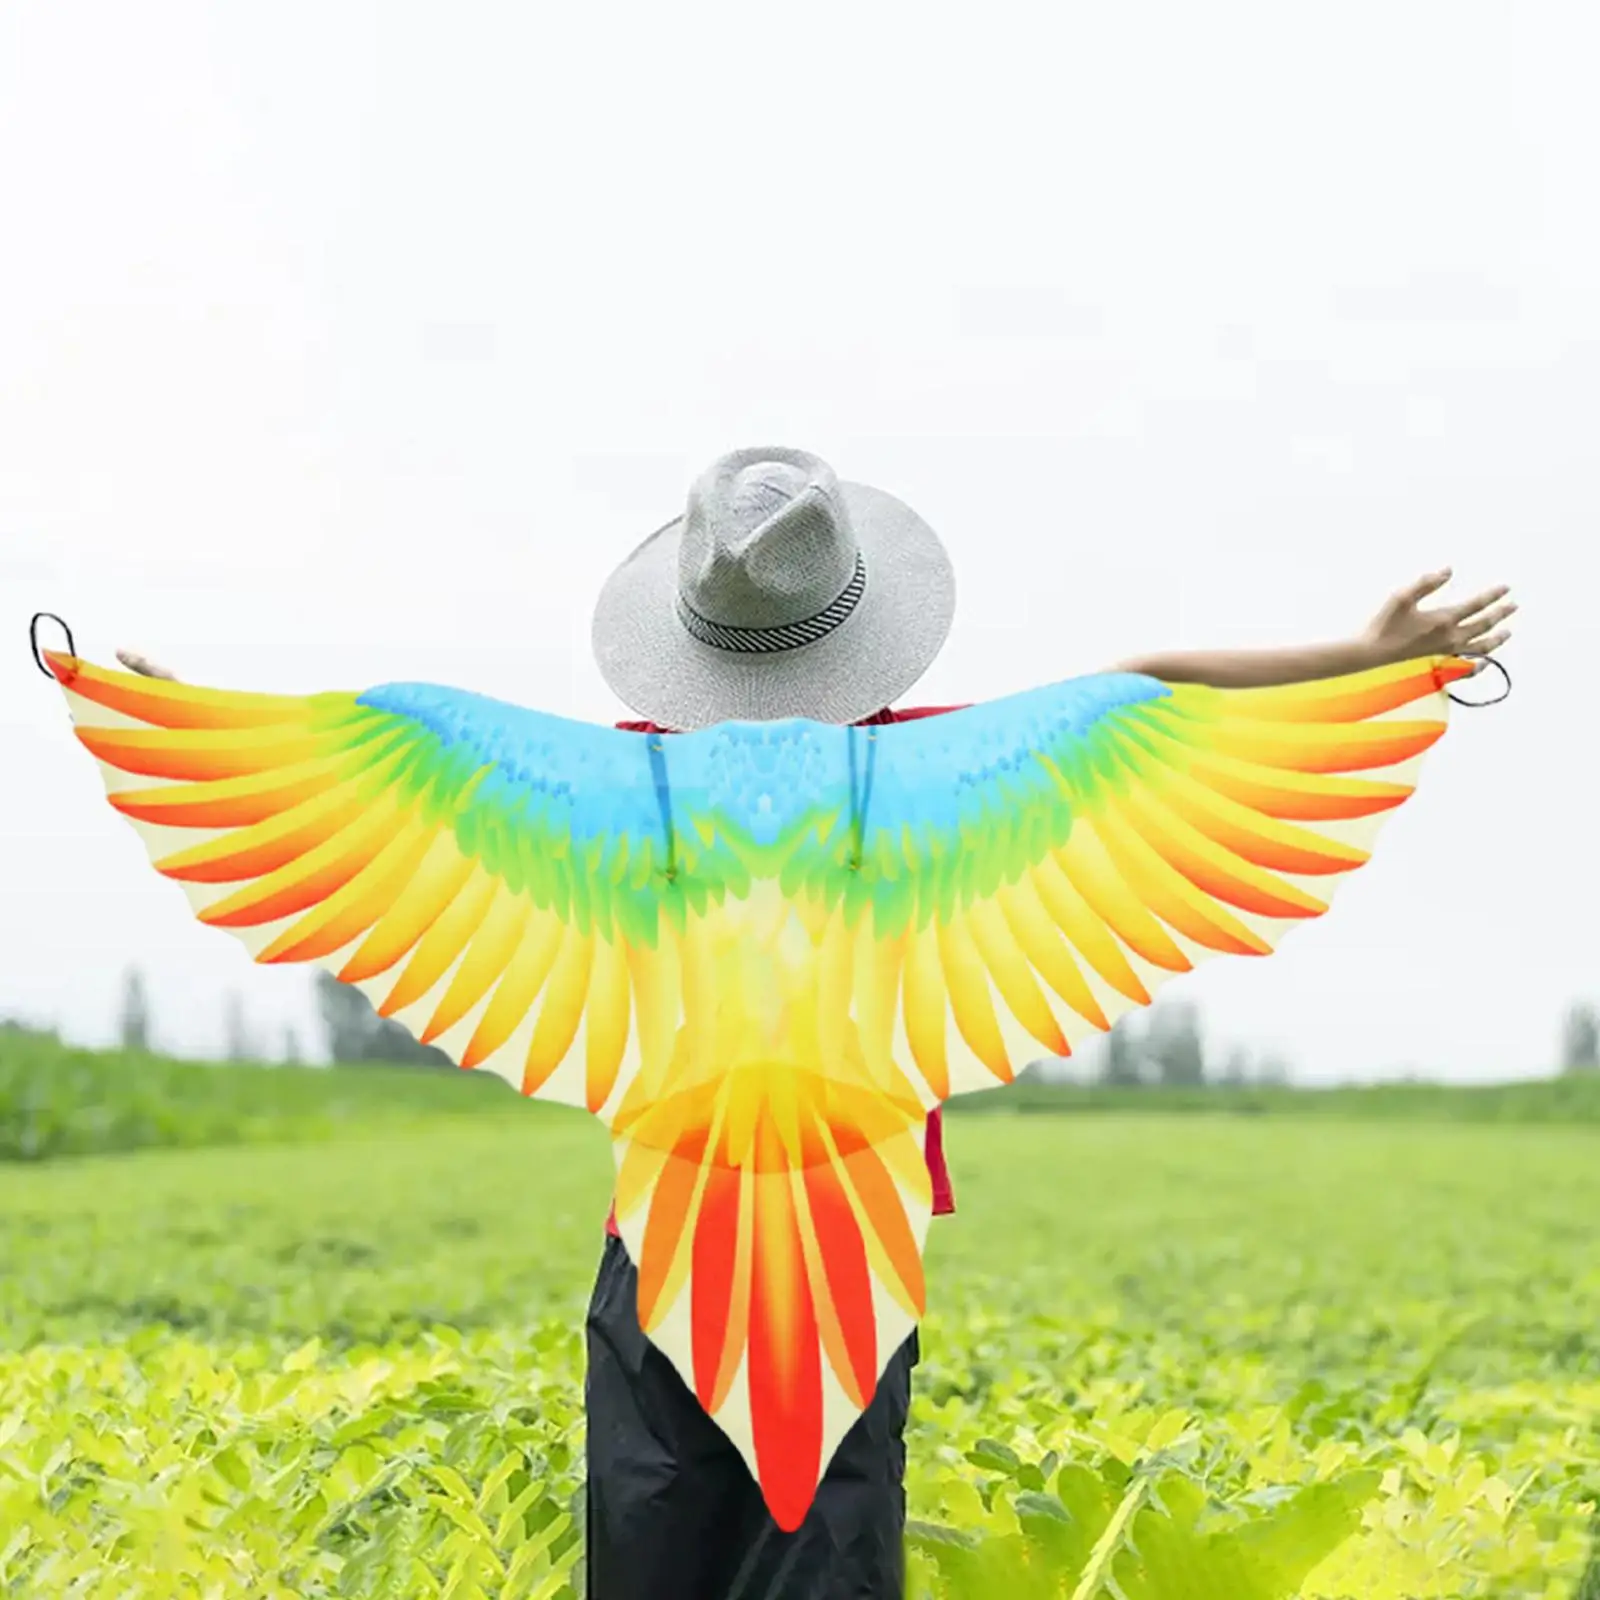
(944, 1200)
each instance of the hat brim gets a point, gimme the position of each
(656, 667)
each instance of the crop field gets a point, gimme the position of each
(1167, 1354)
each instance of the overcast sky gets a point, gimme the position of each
(341, 344)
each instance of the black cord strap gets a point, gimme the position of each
(1488, 661)
(33, 640)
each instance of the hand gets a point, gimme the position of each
(146, 668)
(1403, 631)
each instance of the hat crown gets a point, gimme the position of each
(766, 540)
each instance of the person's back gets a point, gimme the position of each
(783, 593)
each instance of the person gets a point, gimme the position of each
(779, 592)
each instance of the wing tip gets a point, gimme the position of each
(63, 666)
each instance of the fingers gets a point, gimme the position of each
(1477, 630)
(1485, 645)
(1428, 583)
(1477, 603)
(1473, 627)
(146, 668)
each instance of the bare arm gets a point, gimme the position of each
(1401, 631)
(146, 668)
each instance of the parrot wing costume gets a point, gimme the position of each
(760, 953)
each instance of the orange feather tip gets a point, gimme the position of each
(1452, 669)
(163, 704)
(363, 966)
(65, 668)
(107, 686)
(282, 954)
(534, 1077)
(478, 1050)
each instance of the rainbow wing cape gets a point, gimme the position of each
(761, 953)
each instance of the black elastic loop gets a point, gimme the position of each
(33, 640)
(1488, 661)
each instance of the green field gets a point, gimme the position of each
(1167, 1354)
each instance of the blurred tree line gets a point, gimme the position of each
(357, 1033)
(1580, 1040)
(1167, 1046)
(134, 1024)
(352, 1028)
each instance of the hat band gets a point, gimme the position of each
(784, 636)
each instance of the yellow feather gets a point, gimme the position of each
(336, 861)
(1352, 698)
(487, 957)
(1013, 977)
(606, 1026)
(317, 818)
(433, 886)
(657, 1004)
(1088, 934)
(877, 989)
(241, 802)
(524, 977)
(1094, 875)
(1183, 906)
(677, 1272)
(1041, 941)
(740, 1116)
(830, 1332)
(1261, 794)
(967, 984)
(637, 1171)
(442, 943)
(921, 1188)
(562, 1010)
(349, 912)
(813, 913)
(835, 982)
(904, 1155)
(733, 1349)
(924, 1010)
(698, 1036)
(1212, 822)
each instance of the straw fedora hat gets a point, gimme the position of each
(780, 592)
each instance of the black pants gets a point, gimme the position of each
(673, 1513)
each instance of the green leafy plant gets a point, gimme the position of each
(1166, 1357)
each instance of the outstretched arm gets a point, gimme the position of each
(1401, 631)
(145, 667)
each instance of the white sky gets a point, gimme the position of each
(341, 344)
